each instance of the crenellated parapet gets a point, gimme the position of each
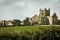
(45, 12)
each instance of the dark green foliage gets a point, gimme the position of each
(26, 21)
(51, 33)
(16, 22)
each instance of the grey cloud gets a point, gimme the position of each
(22, 8)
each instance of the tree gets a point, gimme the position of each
(26, 22)
(16, 22)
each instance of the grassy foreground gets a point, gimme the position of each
(30, 33)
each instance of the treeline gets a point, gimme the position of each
(16, 22)
(52, 33)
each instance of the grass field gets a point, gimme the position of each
(29, 32)
(19, 29)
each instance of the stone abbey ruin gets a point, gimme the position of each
(43, 18)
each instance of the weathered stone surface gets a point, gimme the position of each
(44, 18)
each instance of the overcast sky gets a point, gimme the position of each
(20, 9)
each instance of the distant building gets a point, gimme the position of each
(6, 23)
(22, 23)
(44, 18)
(9, 23)
(59, 22)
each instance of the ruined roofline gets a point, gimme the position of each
(54, 14)
(45, 9)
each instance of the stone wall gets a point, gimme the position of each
(50, 20)
(59, 22)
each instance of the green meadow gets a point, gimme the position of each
(30, 33)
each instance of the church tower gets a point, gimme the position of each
(44, 12)
(54, 19)
(43, 16)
